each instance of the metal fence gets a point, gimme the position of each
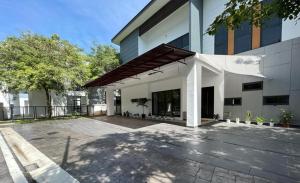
(39, 112)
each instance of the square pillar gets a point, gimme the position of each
(110, 108)
(196, 25)
(194, 87)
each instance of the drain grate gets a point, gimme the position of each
(31, 167)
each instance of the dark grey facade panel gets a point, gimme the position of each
(161, 14)
(243, 38)
(181, 42)
(129, 47)
(271, 31)
(221, 39)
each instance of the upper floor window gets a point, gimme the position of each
(221, 41)
(232, 101)
(243, 38)
(276, 100)
(253, 86)
(181, 42)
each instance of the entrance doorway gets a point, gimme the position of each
(118, 105)
(207, 102)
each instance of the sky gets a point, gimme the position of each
(82, 22)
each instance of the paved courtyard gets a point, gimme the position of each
(127, 150)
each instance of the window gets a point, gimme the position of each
(166, 103)
(276, 100)
(270, 30)
(243, 38)
(253, 86)
(221, 39)
(181, 42)
(233, 101)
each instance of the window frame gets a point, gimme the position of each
(255, 89)
(284, 101)
(233, 101)
(163, 98)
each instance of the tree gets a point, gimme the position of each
(103, 59)
(255, 12)
(34, 62)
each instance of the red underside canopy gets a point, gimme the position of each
(157, 57)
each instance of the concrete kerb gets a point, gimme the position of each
(44, 169)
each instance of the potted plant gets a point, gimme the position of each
(271, 123)
(248, 117)
(286, 118)
(142, 102)
(260, 120)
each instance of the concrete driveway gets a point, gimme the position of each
(116, 149)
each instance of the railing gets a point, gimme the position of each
(39, 112)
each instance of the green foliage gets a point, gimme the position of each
(254, 12)
(286, 116)
(260, 119)
(33, 62)
(248, 116)
(103, 59)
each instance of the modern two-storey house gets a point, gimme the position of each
(188, 75)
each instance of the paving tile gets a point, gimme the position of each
(260, 180)
(124, 152)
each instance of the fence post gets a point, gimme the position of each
(12, 113)
(34, 112)
(23, 112)
(87, 110)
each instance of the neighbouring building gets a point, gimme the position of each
(188, 75)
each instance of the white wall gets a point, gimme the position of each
(211, 9)
(174, 26)
(290, 30)
(145, 91)
(38, 98)
(280, 65)
(4, 99)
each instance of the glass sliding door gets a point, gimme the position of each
(166, 103)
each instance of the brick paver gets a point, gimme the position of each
(96, 151)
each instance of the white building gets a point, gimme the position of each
(196, 75)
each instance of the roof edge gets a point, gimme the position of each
(152, 2)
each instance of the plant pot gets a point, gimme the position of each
(248, 122)
(286, 125)
(271, 124)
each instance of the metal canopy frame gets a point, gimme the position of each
(161, 55)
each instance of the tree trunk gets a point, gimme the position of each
(48, 99)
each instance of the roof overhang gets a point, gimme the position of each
(150, 9)
(162, 55)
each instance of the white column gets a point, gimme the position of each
(194, 87)
(110, 102)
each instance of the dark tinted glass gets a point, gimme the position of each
(253, 86)
(166, 103)
(181, 42)
(276, 100)
(270, 29)
(221, 39)
(243, 38)
(232, 101)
